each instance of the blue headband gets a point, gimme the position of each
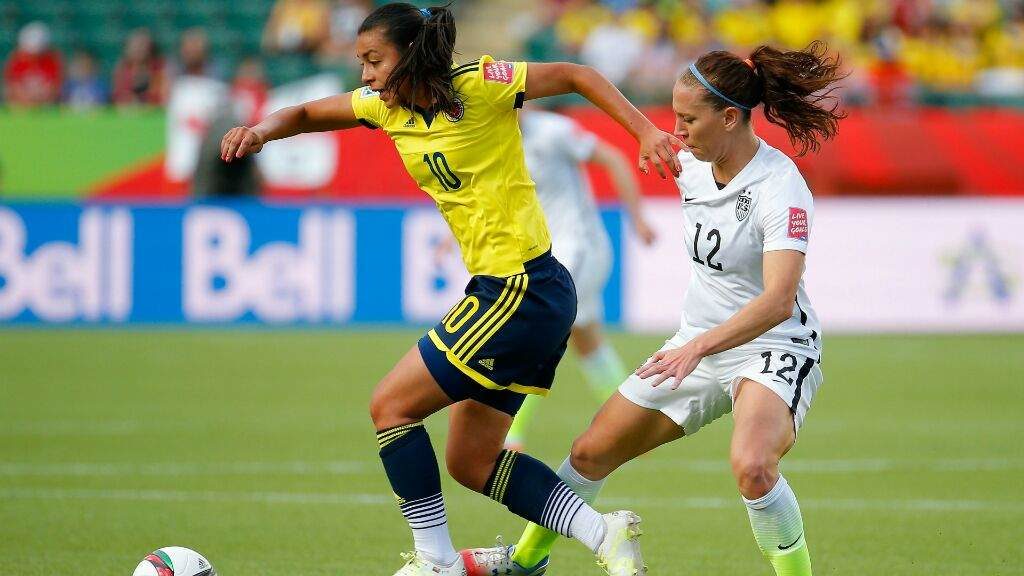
(425, 12)
(700, 77)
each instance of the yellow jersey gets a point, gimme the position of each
(470, 161)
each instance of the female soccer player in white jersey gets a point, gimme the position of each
(556, 150)
(749, 342)
(455, 129)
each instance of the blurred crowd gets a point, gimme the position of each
(896, 51)
(312, 35)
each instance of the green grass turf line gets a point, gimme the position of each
(60, 154)
(256, 449)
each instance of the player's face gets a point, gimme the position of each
(698, 125)
(378, 57)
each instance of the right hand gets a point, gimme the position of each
(240, 141)
(657, 147)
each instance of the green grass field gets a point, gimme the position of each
(255, 449)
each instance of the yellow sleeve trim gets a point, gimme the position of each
(480, 378)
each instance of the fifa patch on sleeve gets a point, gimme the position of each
(366, 92)
(499, 72)
(798, 224)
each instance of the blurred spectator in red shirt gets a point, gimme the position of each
(32, 76)
(249, 91)
(140, 76)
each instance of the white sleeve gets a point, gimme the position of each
(576, 142)
(785, 214)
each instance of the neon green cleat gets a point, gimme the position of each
(619, 552)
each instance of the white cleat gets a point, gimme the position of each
(417, 565)
(619, 552)
(497, 561)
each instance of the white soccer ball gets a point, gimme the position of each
(174, 561)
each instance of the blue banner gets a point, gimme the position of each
(234, 263)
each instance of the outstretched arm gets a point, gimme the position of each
(553, 79)
(331, 113)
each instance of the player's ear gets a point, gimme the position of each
(731, 117)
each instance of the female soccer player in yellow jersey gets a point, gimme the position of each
(456, 131)
(749, 341)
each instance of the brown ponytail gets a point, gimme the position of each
(796, 88)
(425, 38)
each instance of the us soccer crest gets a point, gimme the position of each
(743, 205)
(458, 110)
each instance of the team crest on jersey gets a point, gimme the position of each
(457, 111)
(743, 202)
(366, 92)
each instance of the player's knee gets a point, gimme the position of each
(383, 411)
(588, 458)
(755, 474)
(471, 473)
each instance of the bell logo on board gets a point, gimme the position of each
(61, 281)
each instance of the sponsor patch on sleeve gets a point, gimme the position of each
(499, 71)
(798, 224)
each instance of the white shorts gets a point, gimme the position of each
(588, 258)
(709, 391)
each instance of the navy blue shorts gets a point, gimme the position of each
(506, 337)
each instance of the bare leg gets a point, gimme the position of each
(475, 436)
(764, 433)
(621, 431)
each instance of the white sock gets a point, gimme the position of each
(775, 519)
(583, 487)
(603, 370)
(587, 525)
(429, 523)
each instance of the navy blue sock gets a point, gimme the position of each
(411, 467)
(528, 488)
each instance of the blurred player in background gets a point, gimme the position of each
(749, 342)
(456, 130)
(556, 150)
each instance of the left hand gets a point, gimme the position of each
(644, 231)
(657, 146)
(677, 364)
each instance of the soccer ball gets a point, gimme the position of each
(174, 561)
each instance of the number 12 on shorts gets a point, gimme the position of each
(785, 365)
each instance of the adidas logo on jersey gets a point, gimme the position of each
(410, 122)
(487, 363)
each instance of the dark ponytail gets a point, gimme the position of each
(796, 88)
(425, 38)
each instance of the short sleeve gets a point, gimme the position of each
(368, 107)
(576, 142)
(503, 83)
(785, 214)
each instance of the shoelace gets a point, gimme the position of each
(411, 558)
(497, 555)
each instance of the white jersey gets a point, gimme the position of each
(555, 150)
(555, 147)
(766, 207)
